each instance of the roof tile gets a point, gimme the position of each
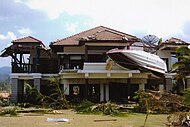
(175, 41)
(97, 33)
(27, 39)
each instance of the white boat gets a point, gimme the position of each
(137, 59)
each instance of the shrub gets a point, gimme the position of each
(187, 97)
(24, 105)
(10, 111)
(109, 108)
(105, 108)
(32, 96)
(4, 103)
(57, 99)
(157, 102)
(84, 107)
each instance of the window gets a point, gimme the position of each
(76, 90)
(174, 58)
(166, 61)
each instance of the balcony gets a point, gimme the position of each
(47, 68)
(100, 71)
(23, 68)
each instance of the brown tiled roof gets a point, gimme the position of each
(175, 41)
(27, 39)
(97, 33)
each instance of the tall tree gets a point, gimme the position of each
(182, 67)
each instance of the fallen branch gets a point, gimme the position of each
(101, 120)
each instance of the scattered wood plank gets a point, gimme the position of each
(101, 120)
(33, 114)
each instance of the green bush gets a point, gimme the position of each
(105, 108)
(84, 107)
(109, 108)
(24, 105)
(187, 97)
(10, 111)
(57, 98)
(33, 96)
(4, 103)
(157, 102)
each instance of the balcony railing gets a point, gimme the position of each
(31, 68)
(23, 68)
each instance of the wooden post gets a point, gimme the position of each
(129, 87)
(86, 89)
(101, 92)
(21, 60)
(86, 53)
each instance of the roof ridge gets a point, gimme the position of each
(177, 39)
(118, 31)
(35, 38)
(103, 27)
(76, 34)
(111, 32)
(27, 37)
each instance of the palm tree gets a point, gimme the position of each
(57, 99)
(182, 67)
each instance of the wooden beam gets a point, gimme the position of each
(86, 53)
(86, 89)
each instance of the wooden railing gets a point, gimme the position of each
(31, 68)
(23, 68)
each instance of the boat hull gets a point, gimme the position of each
(133, 59)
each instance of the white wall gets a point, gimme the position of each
(165, 54)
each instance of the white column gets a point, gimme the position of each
(14, 88)
(161, 87)
(188, 81)
(168, 82)
(37, 82)
(142, 86)
(101, 92)
(107, 92)
(66, 88)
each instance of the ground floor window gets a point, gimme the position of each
(121, 92)
(79, 91)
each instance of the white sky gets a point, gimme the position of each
(160, 17)
(60, 18)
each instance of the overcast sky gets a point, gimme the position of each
(49, 20)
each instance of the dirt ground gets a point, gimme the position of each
(81, 120)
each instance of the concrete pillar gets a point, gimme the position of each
(168, 83)
(66, 87)
(142, 86)
(37, 83)
(14, 89)
(161, 87)
(101, 92)
(188, 81)
(20, 91)
(107, 92)
(86, 89)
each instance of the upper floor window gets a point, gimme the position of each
(174, 58)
